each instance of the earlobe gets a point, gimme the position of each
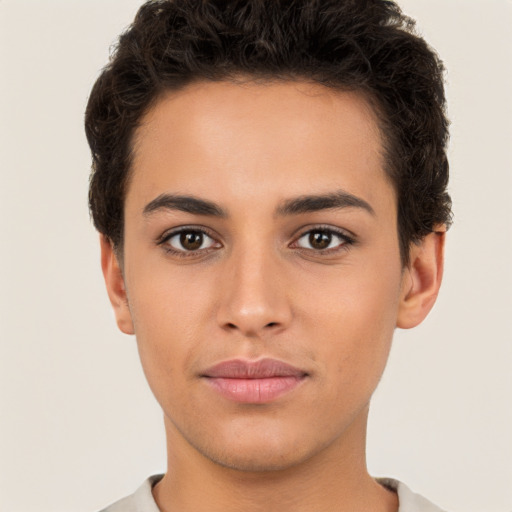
(116, 289)
(422, 279)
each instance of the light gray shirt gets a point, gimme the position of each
(142, 499)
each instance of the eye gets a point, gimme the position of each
(323, 239)
(188, 241)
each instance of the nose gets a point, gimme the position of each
(253, 297)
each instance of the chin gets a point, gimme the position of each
(258, 454)
(260, 462)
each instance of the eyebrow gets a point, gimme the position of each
(188, 204)
(332, 201)
(302, 204)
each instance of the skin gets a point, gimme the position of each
(257, 287)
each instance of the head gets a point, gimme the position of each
(269, 179)
(369, 47)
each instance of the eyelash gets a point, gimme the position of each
(166, 237)
(345, 241)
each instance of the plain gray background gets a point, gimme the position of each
(79, 427)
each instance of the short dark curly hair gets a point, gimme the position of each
(367, 46)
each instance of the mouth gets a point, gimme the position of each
(254, 382)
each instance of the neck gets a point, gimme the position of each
(335, 479)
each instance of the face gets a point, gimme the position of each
(261, 268)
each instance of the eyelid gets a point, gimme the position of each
(170, 233)
(348, 237)
(345, 233)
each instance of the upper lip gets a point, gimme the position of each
(260, 369)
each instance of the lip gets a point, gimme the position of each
(255, 382)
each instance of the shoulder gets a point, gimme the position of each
(140, 501)
(408, 501)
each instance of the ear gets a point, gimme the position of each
(116, 289)
(421, 279)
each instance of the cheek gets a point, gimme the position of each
(166, 298)
(353, 321)
(168, 311)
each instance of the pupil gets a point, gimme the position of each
(191, 240)
(320, 239)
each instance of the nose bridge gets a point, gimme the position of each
(253, 297)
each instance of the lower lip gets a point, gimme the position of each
(254, 391)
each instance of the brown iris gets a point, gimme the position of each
(191, 240)
(320, 239)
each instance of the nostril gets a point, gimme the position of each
(232, 326)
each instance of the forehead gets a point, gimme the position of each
(284, 137)
(315, 111)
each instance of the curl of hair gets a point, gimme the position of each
(361, 45)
